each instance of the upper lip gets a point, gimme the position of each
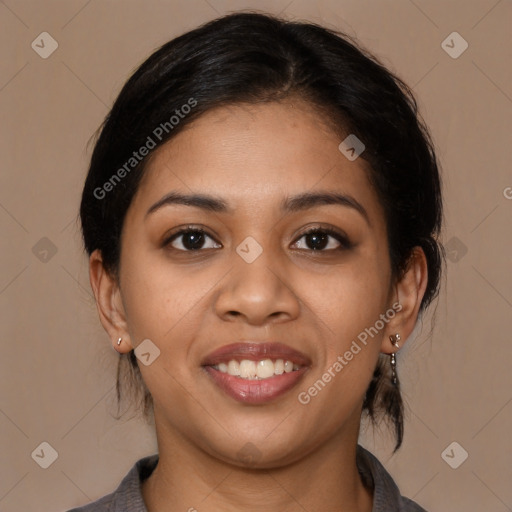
(254, 351)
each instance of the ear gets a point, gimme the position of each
(109, 303)
(408, 291)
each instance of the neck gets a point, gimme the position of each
(187, 478)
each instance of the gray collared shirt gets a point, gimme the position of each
(128, 497)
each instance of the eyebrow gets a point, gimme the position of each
(289, 204)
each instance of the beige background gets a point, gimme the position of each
(56, 365)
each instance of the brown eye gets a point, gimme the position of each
(189, 240)
(317, 239)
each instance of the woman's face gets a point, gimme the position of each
(254, 276)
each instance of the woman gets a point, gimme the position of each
(262, 213)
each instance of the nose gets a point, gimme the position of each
(257, 293)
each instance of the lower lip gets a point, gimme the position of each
(255, 391)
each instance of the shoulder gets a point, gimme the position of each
(128, 496)
(101, 505)
(386, 495)
(411, 506)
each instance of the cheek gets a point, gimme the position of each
(353, 296)
(164, 301)
(162, 304)
(155, 299)
(350, 302)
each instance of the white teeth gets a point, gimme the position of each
(265, 369)
(253, 370)
(247, 369)
(233, 367)
(279, 367)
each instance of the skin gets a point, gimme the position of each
(191, 303)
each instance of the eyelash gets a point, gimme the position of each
(339, 236)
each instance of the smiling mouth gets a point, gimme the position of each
(256, 373)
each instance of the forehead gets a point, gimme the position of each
(256, 154)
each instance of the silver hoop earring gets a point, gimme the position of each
(119, 341)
